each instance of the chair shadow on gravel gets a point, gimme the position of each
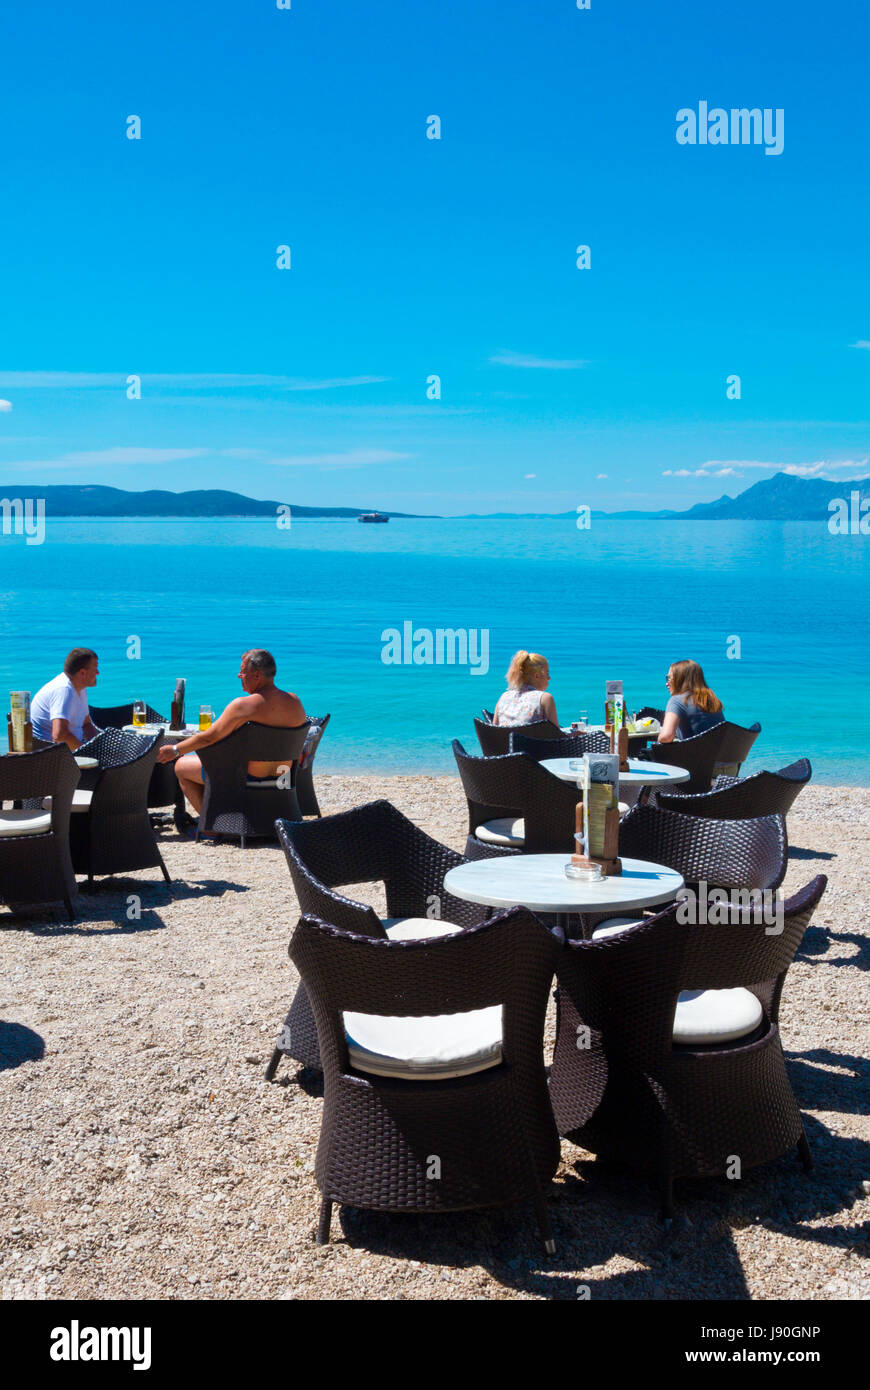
(818, 940)
(795, 853)
(19, 1044)
(816, 1087)
(609, 1215)
(108, 900)
(600, 1212)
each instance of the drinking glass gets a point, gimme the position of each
(206, 717)
(583, 720)
(139, 720)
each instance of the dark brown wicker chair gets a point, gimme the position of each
(570, 746)
(392, 1140)
(374, 843)
(697, 755)
(305, 793)
(496, 738)
(232, 803)
(35, 862)
(513, 786)
(736, 747)
(736, 798)
(633, 1095)
(110, 830)
(163, 789)
(723, 854)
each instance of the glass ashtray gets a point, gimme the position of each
(584, 873)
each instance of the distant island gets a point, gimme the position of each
(114, 502)
(780, 498)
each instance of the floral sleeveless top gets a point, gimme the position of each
(520, 705)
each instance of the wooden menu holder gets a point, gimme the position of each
(619, 744)
(611, 864)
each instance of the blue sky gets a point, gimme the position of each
(414, 257)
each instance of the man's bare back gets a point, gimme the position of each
(262, 703)
(278, 708)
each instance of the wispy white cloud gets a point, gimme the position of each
(530, 475)
(525, 359)
(219, 381)
(717, 468)
(5, 407)
(602, 475)
(349, 458)
(862, 343)
(104, 458)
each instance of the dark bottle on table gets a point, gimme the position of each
(176, 721)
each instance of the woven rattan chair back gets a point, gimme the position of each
(737, 744)
(38, 868)
(697, 755)
(630, 1095)
(233, 806)
(570, 746)
(496, 738)
(727, 854)
(513, 785)
(493, 1131)
(736, 798)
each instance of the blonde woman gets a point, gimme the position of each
(692, 708)
(526, 699)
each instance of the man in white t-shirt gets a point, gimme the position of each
(59, 711)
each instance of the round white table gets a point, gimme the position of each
(171, 735)
(86, 763)
(538, 881)
(640, 774)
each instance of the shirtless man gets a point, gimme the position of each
(262, 702)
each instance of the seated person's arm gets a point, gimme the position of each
(548, 708)
(89, 729)
(237, 712)
(669, 728)
(60, 733)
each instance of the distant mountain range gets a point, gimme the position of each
(780, 498)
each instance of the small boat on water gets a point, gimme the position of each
(372, 516)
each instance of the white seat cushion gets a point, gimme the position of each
(24, 823)
(417, 928)
(715, 1016)
(505, 831)
(425, 1049)
(702, 1015)
(81, 801)
(614, 925)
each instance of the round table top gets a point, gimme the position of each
(640, 774)
(87, 762)
(171, 735)
(538, 881)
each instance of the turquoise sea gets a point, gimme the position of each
(620, 600)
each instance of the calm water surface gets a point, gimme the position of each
(622, 600)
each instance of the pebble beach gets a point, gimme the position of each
(144, 1155)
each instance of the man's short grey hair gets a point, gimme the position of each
(261, 661)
